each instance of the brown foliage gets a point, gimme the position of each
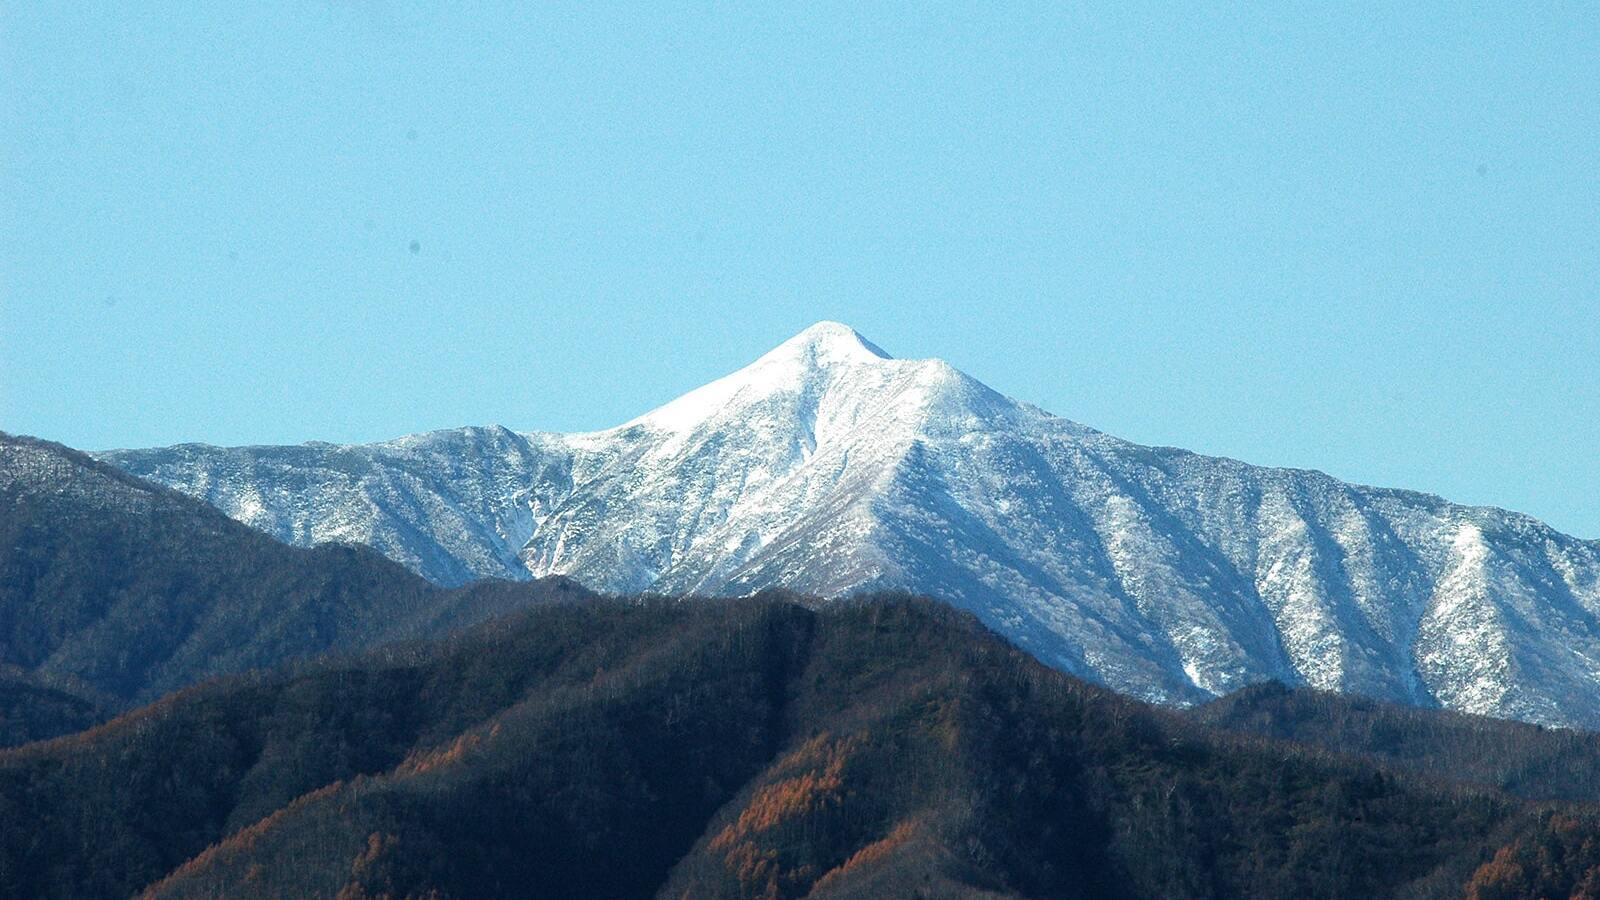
(875, 852)
(244, 840)
(371, 875)
(738, 749)
(822, 785)
(420, 761)
(1561, 859)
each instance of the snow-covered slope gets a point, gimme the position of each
(828, 467)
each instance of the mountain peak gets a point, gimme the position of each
(829, 341)
(827, 468)
(823, 353)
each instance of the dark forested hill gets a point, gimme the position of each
(32, 709)
(883, 747)
(118, 590)
(1526, 760)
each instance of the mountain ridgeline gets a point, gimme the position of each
(115, 591)
(827, 467)
(557, 744)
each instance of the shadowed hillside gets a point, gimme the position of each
(115, 590)
(1526, 760)
(31, 709)
(714, 749)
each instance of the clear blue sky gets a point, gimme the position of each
(1365, 241)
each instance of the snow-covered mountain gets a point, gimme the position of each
(828, 467)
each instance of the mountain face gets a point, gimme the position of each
(827, 467)
(115, 591)
(881, 747)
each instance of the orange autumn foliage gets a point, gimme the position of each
(243, 840)
(367, 865)
(1562, 860)
(818, 787)
(421, 761)
(871, 853)
(796, 796)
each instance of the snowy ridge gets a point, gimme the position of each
(828, 467)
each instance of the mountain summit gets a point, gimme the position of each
(829, 467)
(827, 363)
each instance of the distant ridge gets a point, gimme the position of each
(828, 467)
(114, 591)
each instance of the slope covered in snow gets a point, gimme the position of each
(828, 467)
